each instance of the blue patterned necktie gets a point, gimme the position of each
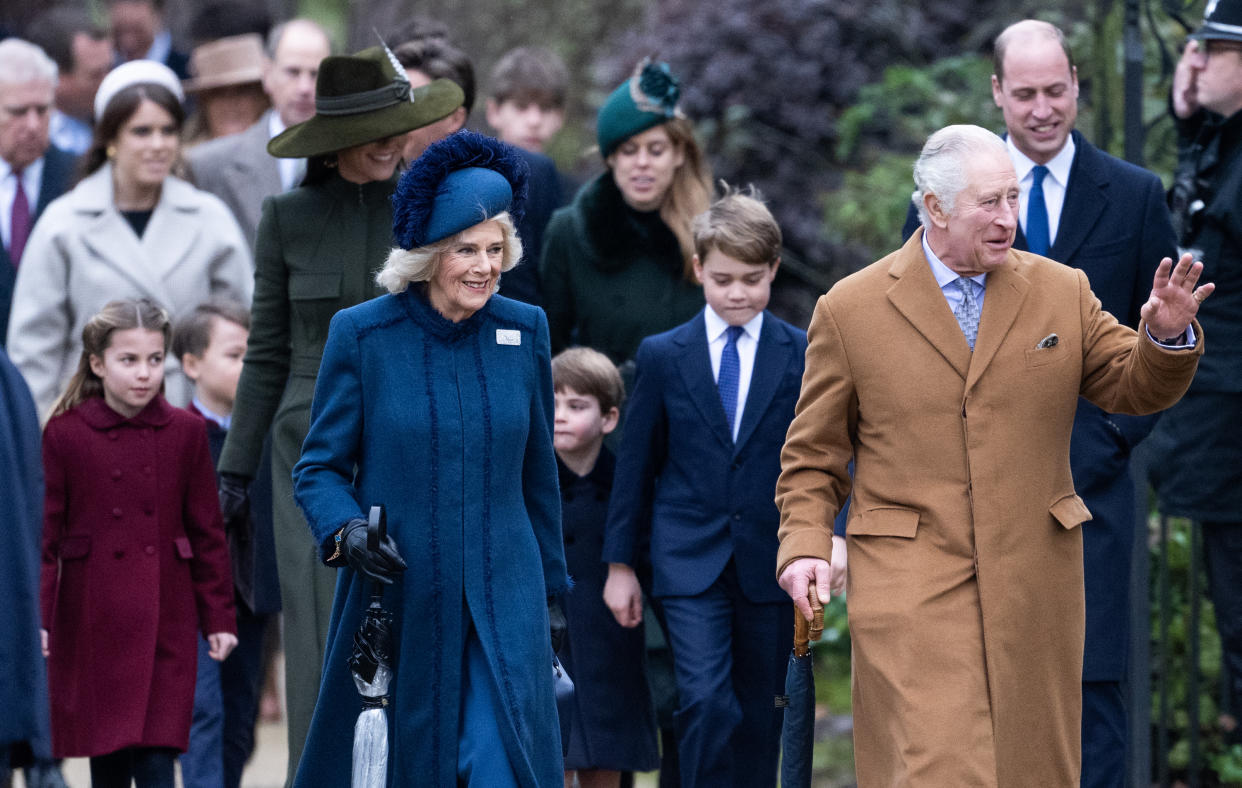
(730, 372)
(1037, 214)
(967, 312)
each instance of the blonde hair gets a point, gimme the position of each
(120, 315)
(590, 373)
(420, 263)
(740, 226)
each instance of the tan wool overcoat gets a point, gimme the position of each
(965, 586)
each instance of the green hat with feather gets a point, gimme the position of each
(362, 98)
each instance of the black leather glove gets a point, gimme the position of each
(234, 496)
(557, 624)
(381, 565)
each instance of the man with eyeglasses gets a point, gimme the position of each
(1197, 470)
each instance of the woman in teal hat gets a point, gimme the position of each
(616, 265)
(435, 401)
(316, 252)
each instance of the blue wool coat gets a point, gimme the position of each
(23, 681)
(449, 426)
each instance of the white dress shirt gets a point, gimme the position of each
(1055, 183)
(223, 422)
(747, 344)
(32, 178)
(291, 170)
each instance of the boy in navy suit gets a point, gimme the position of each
(695, 479)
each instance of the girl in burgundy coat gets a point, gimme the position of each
(134, 556)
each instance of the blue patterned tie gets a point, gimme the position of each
(1037, 214)
(730, 371)
(967, 312)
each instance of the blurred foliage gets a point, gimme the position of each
(880, 136)
(1221, 762)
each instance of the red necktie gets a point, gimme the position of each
(19, 229)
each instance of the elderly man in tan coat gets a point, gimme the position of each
(950, 371)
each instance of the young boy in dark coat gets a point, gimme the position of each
(210, 344)
(612, 728)
(696, 472)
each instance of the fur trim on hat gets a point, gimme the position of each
(416, 191)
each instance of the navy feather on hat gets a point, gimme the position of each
(462, 180)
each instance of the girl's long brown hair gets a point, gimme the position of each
(120, 315)
(690, 194)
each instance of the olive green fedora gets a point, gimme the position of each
(362, 98)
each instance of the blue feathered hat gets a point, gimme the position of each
(462, 180)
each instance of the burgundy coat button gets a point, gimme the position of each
(118, 554)
(116, 512)
(116, 473)
(150, 549)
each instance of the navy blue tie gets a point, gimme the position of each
(1037, 214)
(730, 372)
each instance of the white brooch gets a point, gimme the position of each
(508, 336)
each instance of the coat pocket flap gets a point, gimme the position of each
(184, 551)
(1070, 511)
(303, 286)
(72, 547)
(884, 521)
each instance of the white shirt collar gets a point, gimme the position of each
(716, 325)
(221, 421)
(944, 274)
(1058, 166)
(274, 124)
(161, 46)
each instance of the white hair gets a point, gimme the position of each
(420, 263)
(941, 166)
(22, 62)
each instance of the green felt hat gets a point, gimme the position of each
(362, 98)
(648, 98)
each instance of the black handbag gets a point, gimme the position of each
(564, 699)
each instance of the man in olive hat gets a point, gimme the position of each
(1199, 442)
(317, 249)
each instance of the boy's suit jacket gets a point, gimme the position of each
(681, 479)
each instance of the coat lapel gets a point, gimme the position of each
(114, 243)
(254, 173)
(1006, 290)
(695, 368)
(917, 297)
(771, 361)
(1086, 199)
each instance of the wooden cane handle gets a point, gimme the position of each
(807, 631)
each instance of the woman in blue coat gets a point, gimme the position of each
(436, 401)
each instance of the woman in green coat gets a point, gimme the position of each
(316, 252)
(616, 265)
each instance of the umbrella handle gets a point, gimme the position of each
(377, 527)
(377, 531)
(807, 631)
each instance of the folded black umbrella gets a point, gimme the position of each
(798, 728)
(371, 665)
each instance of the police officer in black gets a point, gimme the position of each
(1197, 447)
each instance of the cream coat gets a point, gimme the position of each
(965, 582)
(83, 254)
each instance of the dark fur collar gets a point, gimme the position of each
(617, 235)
